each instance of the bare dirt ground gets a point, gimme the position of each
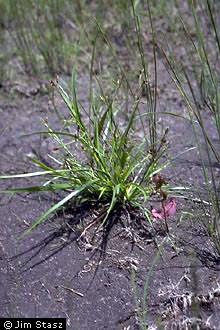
(53, 272)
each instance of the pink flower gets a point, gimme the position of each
(168, 209)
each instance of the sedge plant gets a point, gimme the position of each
(96, 161)
(100, 159)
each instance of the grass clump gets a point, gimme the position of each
(97, 159)
(100, 157)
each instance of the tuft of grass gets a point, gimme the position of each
(97, 160)
(99, 157)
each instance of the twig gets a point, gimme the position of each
(72, 290)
